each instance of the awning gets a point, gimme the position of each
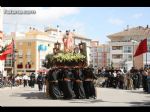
(43, 70)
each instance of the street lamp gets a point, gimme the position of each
(133, 43)
(57, 45)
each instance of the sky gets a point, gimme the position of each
(93, 22)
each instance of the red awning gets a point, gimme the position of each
(43, 70)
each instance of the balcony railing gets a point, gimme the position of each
(19, 66)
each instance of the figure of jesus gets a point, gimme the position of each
(68, 42)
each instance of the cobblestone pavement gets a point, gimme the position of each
(26, 96)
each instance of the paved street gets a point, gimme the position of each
(20, 96)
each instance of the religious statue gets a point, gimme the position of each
(68, 42)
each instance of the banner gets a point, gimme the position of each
(142, 48)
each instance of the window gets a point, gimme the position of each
(100, 50)
(99, 54)
(20, 53)
(29, 43)
(95, 54)
(117, 56)
(116, 47)
(128, 57)
(28, 52)
(91, 49)
(127, 49)
(95, 49)
(28, 59)
(20, 65)
(20, 61)
(9, 55)
(148, 47)
(108, 56)
(100, 60)
(107, 49)
(96, 60)
(28, 65)
(8, 63)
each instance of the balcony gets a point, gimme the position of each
(117, 60)
(20, 56)
(20, 66)
(117, 51)
(28, 66)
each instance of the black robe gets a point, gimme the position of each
(60, 81)
(78, 84)
(89, 88)
(40, 82)
(68, 85)
(32, 80)
(54, 91)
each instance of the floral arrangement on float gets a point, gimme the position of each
(69, 59)
(71, 56)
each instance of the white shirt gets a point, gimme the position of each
(25, 77)
(115, 74)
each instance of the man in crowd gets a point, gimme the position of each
(40, 81)
(25, 80)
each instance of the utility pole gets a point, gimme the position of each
(14, 52)
(13, 57)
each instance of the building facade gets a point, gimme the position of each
(99, 54)
(31, 47)
(123, 46)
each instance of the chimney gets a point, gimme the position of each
(30, 28)
(127, 27)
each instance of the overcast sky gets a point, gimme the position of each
(94, 22)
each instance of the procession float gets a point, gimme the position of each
(72, 56)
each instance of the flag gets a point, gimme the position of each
(142, 48)
(10, 46)
(3, 57)
(9, 49)
(1, 35)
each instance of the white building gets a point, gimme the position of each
(124, 44)
(99, 54)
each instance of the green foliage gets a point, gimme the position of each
(64, 59)
(69, 57)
